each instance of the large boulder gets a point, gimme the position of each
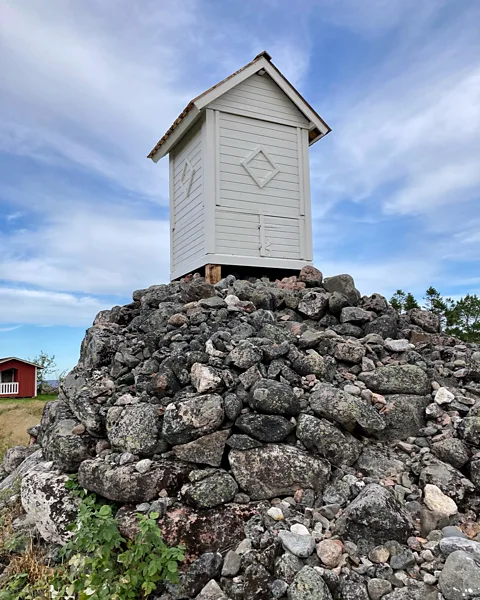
(274, 397)
(125, 484)
(207, 450)
(349, 411)
(386, 326)
(373, 518)
(266, 428)
(343, 284)
(210, 491)
(397, 379)
(49, 504)
(277, 470)
(428, 321)
(314, 305)
(460, 577)
(323, 438)
(134, 428)
(186, 421)
(14, 457)
(404, 416)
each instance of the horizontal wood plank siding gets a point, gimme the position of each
(282, 237)
(188, 228)
(237, 233)
(259, 96)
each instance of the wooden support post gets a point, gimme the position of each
(213, 273)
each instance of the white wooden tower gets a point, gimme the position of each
(239, 175)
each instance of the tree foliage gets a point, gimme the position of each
(47, 364)
(460, 318)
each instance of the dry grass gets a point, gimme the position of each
(15, 418)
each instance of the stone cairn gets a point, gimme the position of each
(302, 441)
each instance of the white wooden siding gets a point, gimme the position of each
(237, 233)
(260, 97)
(238, 138)
(188, 227)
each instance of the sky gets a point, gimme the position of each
(87, 88)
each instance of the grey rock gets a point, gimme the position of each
(266, 428)
(278, 588)
(452, 531)
(125, 484)
(240, 441)
(314, 305)
(274, 397)
(308, 585)
(398, 345)
(323, 438)
(195, 290)
(402, 560)
(216, 489)
(34, 462)
(257, 583)
(344, 284)
(206, 567)
(277, 470)
(299, 545)
(206, 450)
(186, 421)
(14, 457)
(460, 577)
(143, 466)
(352, 590)
(347, 410)
(337, 302)
(211, 591)
(404, 416)
(448, 545)
(374, 462)
(373, 518)
(246, 355)
(49, 505)
(375, 302)
(397, 379)
(452, 451)
(134, 428)
(350, 351)
(385, 326)
(287, 566)
(355, 315)
(447, 478)
(231, 564)
(377, 588)
(311, 363)
(428, 321)
(205, 379)
(233, 406)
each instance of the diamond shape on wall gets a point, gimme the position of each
(186, 180)
(271, 171)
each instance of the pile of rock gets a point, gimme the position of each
(302, 441)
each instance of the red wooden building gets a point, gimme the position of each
(18, 378)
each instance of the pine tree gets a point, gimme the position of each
(410, 302)
(463, 318)
(398, 301)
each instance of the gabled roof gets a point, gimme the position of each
(194, 108)
(27, 362)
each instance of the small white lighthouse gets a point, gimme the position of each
(239, 175)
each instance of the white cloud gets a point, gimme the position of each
(37, 307)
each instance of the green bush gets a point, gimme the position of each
(99, 564)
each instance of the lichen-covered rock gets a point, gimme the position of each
(428, 321)
(355, 315)
(277, 470)
(460, 578)
(200, 572)
(14, 457)
(397, 379)
(404, 416)
(314, 305)
(274, 397)
(125, 484)
(452, 451)
(266, 428)
(186, 421)
(49, 505)
(207, 450)
(134, 428)
(323, 438)
(308, 585)
(447, 478)
(215, 489)
(347, 410)
(205, 378)
(373, 518)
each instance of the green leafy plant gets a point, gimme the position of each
(100, 564)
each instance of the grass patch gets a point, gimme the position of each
(16, 416)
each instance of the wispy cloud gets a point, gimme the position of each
(5, 329)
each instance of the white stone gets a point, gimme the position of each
(299, 529)
(437, 501)
(275, 513)
(49, 504)
(443, 396)
(205, 378)
(398, 345)
(212, 591)
(143, 466)
(244, 546)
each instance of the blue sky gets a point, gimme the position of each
(87, 88)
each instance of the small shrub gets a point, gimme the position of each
(99, 563)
